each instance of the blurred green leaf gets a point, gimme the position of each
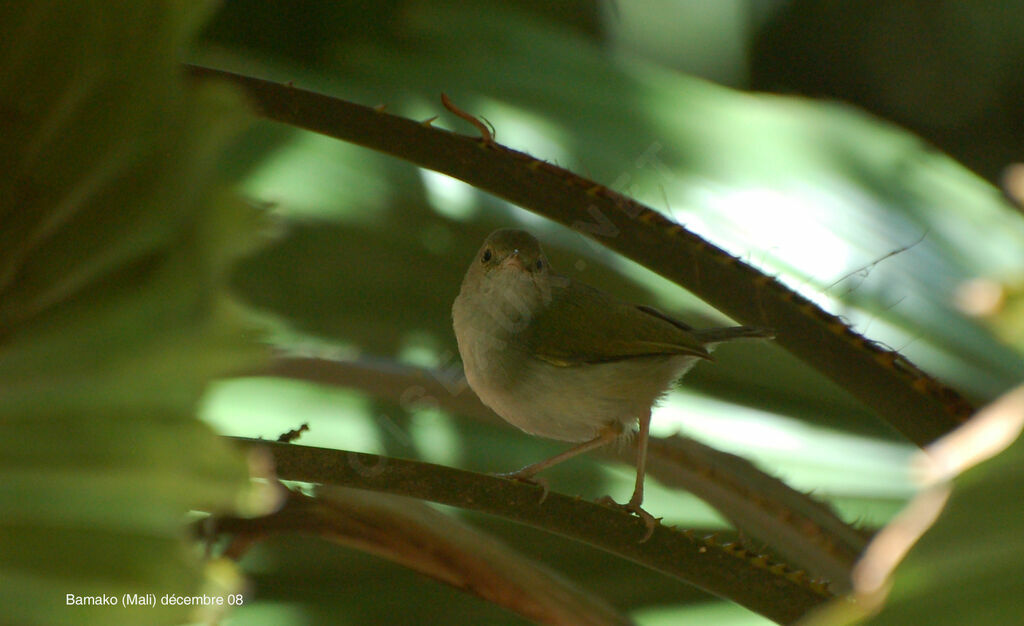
(112, 311)
(816, 191)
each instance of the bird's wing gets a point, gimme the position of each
(584, 325)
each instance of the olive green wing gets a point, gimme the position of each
(584, 325)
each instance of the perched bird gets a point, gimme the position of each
(563, 360)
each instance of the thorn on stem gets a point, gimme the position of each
(486, 131)
(292, 435)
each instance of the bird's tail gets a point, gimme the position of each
(712, 336)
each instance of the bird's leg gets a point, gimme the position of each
(641, 470)
(641, 461)
(607, 435)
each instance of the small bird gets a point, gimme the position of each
(563, 360)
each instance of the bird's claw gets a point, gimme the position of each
(529, 480)
(649, 520)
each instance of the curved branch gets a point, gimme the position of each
(420, 538)
(728, 571)
(916, 404)
(805, 532)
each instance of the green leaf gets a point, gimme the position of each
(113, 246)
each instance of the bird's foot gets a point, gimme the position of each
(529, 479)
(649, 520)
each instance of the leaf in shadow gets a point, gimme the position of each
(112, 314)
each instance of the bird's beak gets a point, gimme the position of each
(515, 260)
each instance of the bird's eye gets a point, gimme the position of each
(540, 264)
(487, 255)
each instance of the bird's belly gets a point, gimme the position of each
(575, 403)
